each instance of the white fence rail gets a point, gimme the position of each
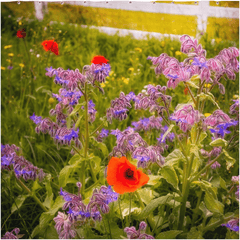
(202, 10)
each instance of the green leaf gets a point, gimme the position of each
(45, 218)
(194, 234)
(218, 182)
(58, 203)
(154, 179)
(19, 201)
(76, 158)
(103, 147)
(206, 212)
(229, 160)
(78, 122)
(172, 234)
(36, 186)
(203, 96)
(196, 164)
(146, 195)
(170, 175)
(96, 161)
(203, 135)
(174, 157)
(31, 96)
(212, 204)
(194, 149)
(168, 131)
(219, 143)
(75, 110)
(69, 122)
(205, 186)
(51, 233)
(154, 204)
(49, 198)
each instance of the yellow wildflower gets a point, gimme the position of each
(10, 54)
(207, 114)
(103, 85)
(51, 100)
(207, 85)
(162, 43)
(8, 60)
(235, 96)
(111, 73)
(138, 50)
(172, 48)
(131, 69)
(3, 68)
(60, 31)
(218, 40)
(178, 53)
(125, 80)
(137, 59)
(7, 46)
(21, 65)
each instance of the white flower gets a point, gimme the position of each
(38, 55)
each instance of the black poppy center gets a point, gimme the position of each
(129, 173)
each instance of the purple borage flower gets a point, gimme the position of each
(233, 225)
(22, 167)
(132, 233)
(173, 76)
(196, 62)
(35, 118)
(80, 213)
(103, 134)
(10, 235)
(221, 129)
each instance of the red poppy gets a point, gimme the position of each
(185, 91)
(50, 45)
(124, 176)
(99, 60)
(21, 33)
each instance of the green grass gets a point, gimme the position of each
(22, 95)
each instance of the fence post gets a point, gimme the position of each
(40, 9)
(202, 17)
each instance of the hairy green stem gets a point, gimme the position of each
(92, 172)
(129, 216)
(119, 205)
(190, 92)
(206, 167)
(32, 194)
(196, 208)
(100, 126)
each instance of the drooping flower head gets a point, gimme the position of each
(186, 117)
(21, 33)
(232, 224)
(132, 233)
(10, 235)
(124, 177)
(50, 45)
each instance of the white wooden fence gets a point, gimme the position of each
(202, 11)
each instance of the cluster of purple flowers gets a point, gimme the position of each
(11, 235)
(196, 63)
(147, 124)
(186, 117)
(97, 72)
(103, 134)
(21, 166)
(69, 79)
(79, 214)
(132, 233)
(212, 154)
(119, 107)
(61, 134)
(130, 142)
(68, 97)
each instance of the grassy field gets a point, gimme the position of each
(22, 94)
